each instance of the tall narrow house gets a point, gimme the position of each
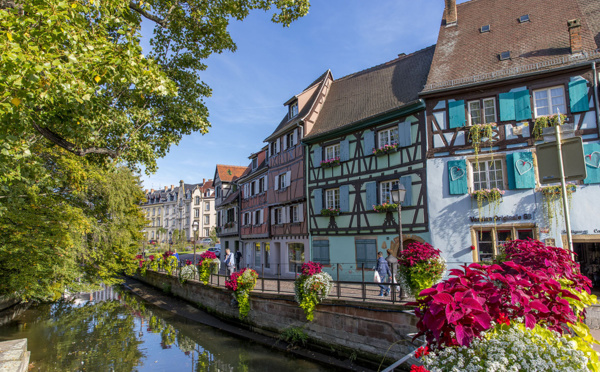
(227, 206)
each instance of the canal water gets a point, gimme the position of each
(113, 330)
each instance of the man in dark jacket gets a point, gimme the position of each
(384, 273)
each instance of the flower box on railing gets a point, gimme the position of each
(330, 162)
(386, 149)
(385, 207)
(330, 212)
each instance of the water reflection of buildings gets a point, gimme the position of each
(105, 294)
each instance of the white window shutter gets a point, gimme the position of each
(288, 178)
(269, 151)
(272, 216)
(252, 222)
(300, 212)
(285, 142)
(295, 142)
(266, 182)
(276, 186)
(286, 214)
(278, 145)
(262, 216)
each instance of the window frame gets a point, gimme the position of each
(332, 152)
(293, 110)
(321, 244)
(482, 113)
(368, 262)
(257, 217)
(550, 107)
(295, 216)
(488, 158)
(196, 212)
(278, 216)
(388, 140)
(335, 198)
(282, 185)
(515, 229)
(381, 186)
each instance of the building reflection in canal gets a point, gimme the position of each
(111, 330)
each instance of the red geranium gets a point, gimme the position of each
(311, 268)
(422, 351)
(418, 369)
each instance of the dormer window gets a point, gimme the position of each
(504, 55)
(485, 28)
(254, 163)
(293, 109)
(524, 18)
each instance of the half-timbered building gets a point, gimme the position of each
(227, 205)
(369, 136)
(500, 70)
(254, 212)
(286, 193)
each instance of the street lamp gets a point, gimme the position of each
(195, 228)
(398, 193)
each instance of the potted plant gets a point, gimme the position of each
(385, 207)
(242, 283)
(386, 149)
(311, 287)
(208, 264)
(419, 267)
(547, 122)
(329, 163)
(188, 272)
(328, 212)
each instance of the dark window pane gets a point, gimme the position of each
(524, 234)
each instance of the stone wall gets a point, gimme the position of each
(364, 329)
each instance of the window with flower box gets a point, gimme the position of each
(482, 111)
(388, 136)
(488, 174)
(332, 152)
(385, 191)
(549, 101)
(332, 199)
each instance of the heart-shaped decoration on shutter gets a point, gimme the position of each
(523, 166)
(456, 173)
(593, 159)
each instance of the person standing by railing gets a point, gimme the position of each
(229, 262)
(384, 273)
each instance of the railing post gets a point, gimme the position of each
(278, 277)
(218, 280)
(337, 276)
(263, 277)
(364, 288)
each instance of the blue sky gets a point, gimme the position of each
(273, 63)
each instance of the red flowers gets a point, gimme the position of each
(472, 247)
(503, 319)
(417, 252)
(311, 268)
(188, 262)
(418, 369)
(422, 351)
(206, 255)
(167, 254)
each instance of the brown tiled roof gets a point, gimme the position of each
(305, 110)
(231, 198)
(465, 55)
(373, 91)
(228, 173)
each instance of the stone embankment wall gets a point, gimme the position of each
(364, 330)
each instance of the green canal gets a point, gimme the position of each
(113, 330)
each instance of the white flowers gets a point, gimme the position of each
(187, 273)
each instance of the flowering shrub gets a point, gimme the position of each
(330, 162)
(141, 264)
(242, 283)
(385, 149)
(169, 262)
(187, 273)
(208, 264)
(511, 348)
(419, 267)
(312, 287)
(330, 212)
(385, 207)
(154, 262)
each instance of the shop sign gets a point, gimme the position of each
(517, 217)
(576, 232)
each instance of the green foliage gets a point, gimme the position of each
(422, 275)
(170, 264)
(546, 122)
(295, 336)
(310, 290)
(213, 236)
(477, 132)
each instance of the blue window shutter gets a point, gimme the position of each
(321, 251)
(456, 110)
(510, 171)
(457, 177)
(523, 170)
(406, 181)
(371, 195)
(578, 96)
(507, 106)
(344, 150)
(317, 156)
(592, 162)
(316, 251)
(369, 142)
(345, 198)
(361, 252)
(317, 200)
(522, 105)
(404, 135)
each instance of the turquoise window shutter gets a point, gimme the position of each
(317, 200)
(522, 169)
(507, 106)
(317, 156)
(404, 136)
(371, 195)
(510, 171)
(369, 142)
(522, 105)
(344, 150)
(592, 162)
(456, 109)
(406, 181)
(345, 198)
(578, 96)
(457, 177)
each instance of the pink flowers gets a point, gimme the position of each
(330, 162)
(168, 254)
(206, 256)
(417, 252)
(385, 149)
(311, 268)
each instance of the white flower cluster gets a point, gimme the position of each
(323, 281)
(515, 349)
(188, 272)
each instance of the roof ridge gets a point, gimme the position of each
(357, 73)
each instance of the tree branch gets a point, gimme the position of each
(158, 20)
(58, 140)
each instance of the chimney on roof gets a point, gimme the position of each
(575, 35)
(151, 190)
(166, 188)
(450, 12)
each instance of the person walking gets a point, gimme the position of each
(238, 260)
(229, 262)
(393, 264)
(384, 273)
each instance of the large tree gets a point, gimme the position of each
(81, 108)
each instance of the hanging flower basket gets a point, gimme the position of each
(329, 163)
(312, 287)
(547, 122)
(386, 149)
(242, 283)
(385, 207)
(552, 200)
(419, 267)
(477, 132)
(330, 212)
(491, 196)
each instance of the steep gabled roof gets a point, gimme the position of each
(228, 173)
(374, 91)
(464, 55)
